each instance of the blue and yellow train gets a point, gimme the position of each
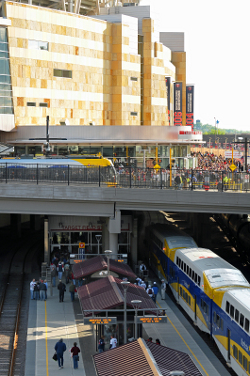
(214, 293)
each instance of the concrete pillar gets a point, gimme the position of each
(35, 222)
(202, 230)
(15, 224)
(105, 235)
(114, 228)
(133, 239)
(46, 241)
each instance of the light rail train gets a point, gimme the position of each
(75, 168)
(214, 293)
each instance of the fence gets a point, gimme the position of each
(126, 177)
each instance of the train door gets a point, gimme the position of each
(228, 344)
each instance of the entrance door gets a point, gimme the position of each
(228, 344)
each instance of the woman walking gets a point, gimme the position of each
(75, 351)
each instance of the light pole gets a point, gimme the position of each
(98, 239)
(108, 251)
(136, 305)
(125, 285)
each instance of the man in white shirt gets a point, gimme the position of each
(143, 284)
(32, 284)
(113, 342)
(163, 289)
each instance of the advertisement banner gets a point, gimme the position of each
(190, 105)
(168, 90)
(178, 103)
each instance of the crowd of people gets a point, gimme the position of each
(211, 162)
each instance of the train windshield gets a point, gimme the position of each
(181, 242)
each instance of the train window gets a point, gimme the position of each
(214, 317)
(227, 307)
(241, 320)
(184, 267)
(235, 352)
(247, 325)
(187, 269)
(221, 324)
(189, 301)
(180, 291)
(195, 277)
(192, 275)
(237, 315)
(177, 261)
(184, 294)
(218, 320)
(245, 363)
(199, 280)
(232, 311)
(240, 357)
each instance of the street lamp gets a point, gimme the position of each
(136, 305)
(125, 285)
(108, 251)
(98, 239)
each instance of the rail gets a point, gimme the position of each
(126, 177)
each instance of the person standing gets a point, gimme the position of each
(42, 290)
(53, 276)
(36, 291)
(75, 351)
(101, 344)
(60, 347)
(32, 284)
(157, 341)
(46, 284)
(155, 289)
(60, 269)
(113, 342)
(163, 289)
(61, 287)
(72, 291)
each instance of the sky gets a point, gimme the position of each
(217, 46)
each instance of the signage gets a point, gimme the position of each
(237, 154)
(232, 167)
(190, 105)
(152, 319)
(178, 103)
(81, 245)
(168, 88)
(100, 320)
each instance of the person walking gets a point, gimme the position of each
(150, 292)
(72, 291)
(53, 276)
(62, 288)
(46, 284)
(60, 347)
(32, 285)
(60, 270)
(163, 289)
(101, 344)
(113, 342)
(155, 289)
(75, 351)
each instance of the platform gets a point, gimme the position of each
(49, 321)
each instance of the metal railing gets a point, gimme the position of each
(126, 177)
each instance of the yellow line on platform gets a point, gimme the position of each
(46, 340)
(186, 343)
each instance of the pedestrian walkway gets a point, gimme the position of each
(179, 334)
(48, 322)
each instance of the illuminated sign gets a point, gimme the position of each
(81, 245)
(100, 320)
(152, 319)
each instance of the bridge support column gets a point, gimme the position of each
(134, 255)
(114, 228)
(15, 224)
(202, 230)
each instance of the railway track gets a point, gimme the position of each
(13, 311)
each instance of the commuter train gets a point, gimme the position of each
(74, 168)
(214, 293)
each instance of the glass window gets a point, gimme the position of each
(245, 363)
(190, 272)
(31, 104)
(241, 320)
(237, 315)
(235, 352)
(192, 275)
(240, 357)
(221, 324)
(38, 45)
(227, 307)
(62, 73)
(195, 277)
(199, 280)
(189, 300)
(123, 237)
(3, 46)
(181, 291)
(214, 317)
(184, 267)
(3, 34)
(232, 311)
(187, 269)
(247, 325)
(218, 320)
(43, 104)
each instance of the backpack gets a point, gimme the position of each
(150, 291)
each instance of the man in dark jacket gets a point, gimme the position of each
(60, 347)
(61, 287)
(43, 289)
(53, 276)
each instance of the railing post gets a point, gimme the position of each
(161, 178)
(99, 176)
(37, 174)
(129, 176)
(6, 173)
(68, 174)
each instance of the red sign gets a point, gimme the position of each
(82, 245)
